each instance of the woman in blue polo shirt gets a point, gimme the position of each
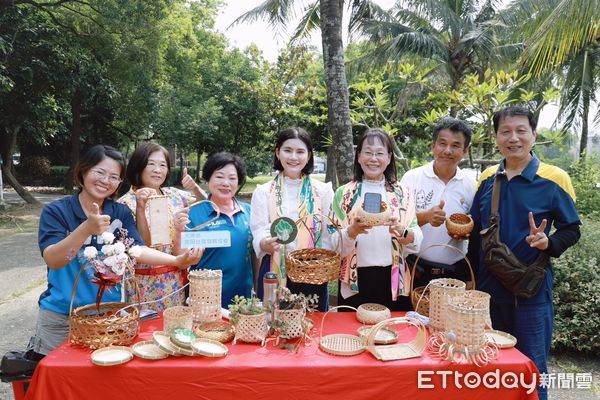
(226, 174)
(69, 225)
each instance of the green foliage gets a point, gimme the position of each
(576, 295)
(585, 176)
(294, 301)
(244, 306)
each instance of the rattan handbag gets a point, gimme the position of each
(397, 351)
(112, 323)
(420, 296)
(340, 344)
(315, 266)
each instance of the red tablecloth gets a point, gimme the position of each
(253, 372)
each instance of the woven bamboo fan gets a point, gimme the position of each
(398, 351)
(420, 296)
(315, 266)
(372, 313)
(459, 224)
(340, 344)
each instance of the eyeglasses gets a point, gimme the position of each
(379, 156)
(152, 165)
(102, 175)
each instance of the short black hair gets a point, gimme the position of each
(217, 161)
(455, 125)
(370, 135)
(295, 132)
(93, 157)
(514, 111)
(139, 160)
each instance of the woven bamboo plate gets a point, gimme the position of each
(182, 337)
(163, 341)
(340, 344)
(502, 339)
(398, 351)
(148, 350)
(209, 348)
(112, 355)
(372, 313)
(384, 335)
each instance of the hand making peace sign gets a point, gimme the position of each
(537, 237)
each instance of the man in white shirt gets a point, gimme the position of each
(442, 189)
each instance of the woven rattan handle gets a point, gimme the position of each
(456, 249)
(418, 342)
(330, 310)
(202, 225)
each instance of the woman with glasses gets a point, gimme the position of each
(372, 265)
(293, 194)
(226, 175)
(148, 169)
(68, 226)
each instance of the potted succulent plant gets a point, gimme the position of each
(247, 315)
(290, 311)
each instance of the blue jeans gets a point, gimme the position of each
(532, 325)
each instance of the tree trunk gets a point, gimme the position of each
(585, 112)
(330, 175)
(199, 155)
(76, 103)
(8, 142)
(338, 111)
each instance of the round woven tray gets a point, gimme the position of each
(209, 348)
(148, 350)
(419, 296)
(459, 224)
(111, 355)
(340, 344)
(220, 331)
(372, 313)
(314, 266)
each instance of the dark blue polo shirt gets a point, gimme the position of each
(543, 189)
(234, 261)
(58, 220)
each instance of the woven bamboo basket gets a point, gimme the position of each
(372, 313)
(440, 291)
(465, 341)
(459, 224)
(291, 322)
(114, 323)
(397, 351)
(340, 344)
(420, 296)
(220, 331)
(205, 294)
(372, 218)
(251, 328)
(177, 317)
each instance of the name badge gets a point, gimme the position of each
(206, 239)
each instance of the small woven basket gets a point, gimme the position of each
(251, 328)
(177, 317)
(397, 351)
(371, 218)
(205, 294)
(340, 344)
(372, 313)
(291, 322)
(420, 296)
(459, 224)
(220, 331)
(112, 324)
(314, 266)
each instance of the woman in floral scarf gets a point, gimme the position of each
(373, 268)
(293, 194)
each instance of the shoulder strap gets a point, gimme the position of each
(496, 194)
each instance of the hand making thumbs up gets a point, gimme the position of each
(188, 183)
(437, 215)
(96, 222)
(537, 237)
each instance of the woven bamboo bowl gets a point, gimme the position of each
(459, 224)
(374, 219)
(220, 331)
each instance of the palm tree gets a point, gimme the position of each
(568, 40)
(458, 35)
(326, 14)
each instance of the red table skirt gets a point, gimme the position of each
(253, 372)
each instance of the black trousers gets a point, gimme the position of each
(375, 286)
